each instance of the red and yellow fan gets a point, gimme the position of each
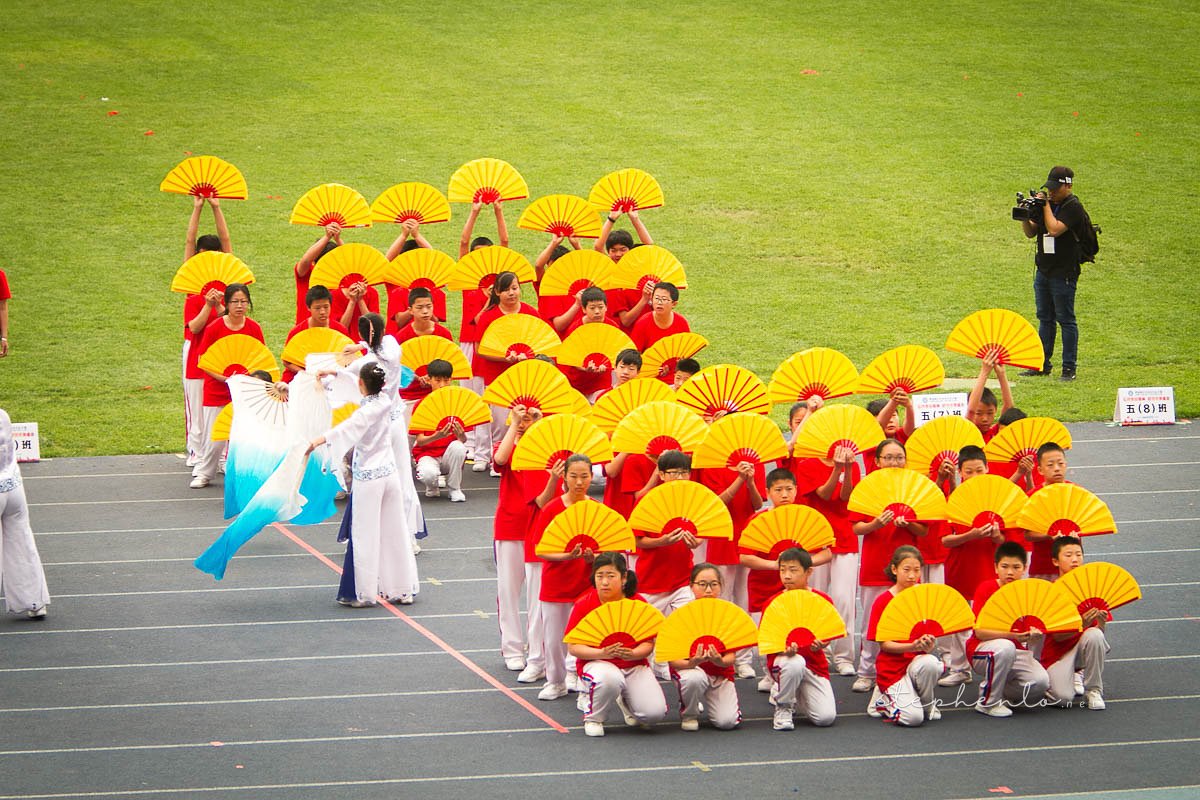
(210, 270)
(332, 202)
(798, 617)
(486, 180)
(1029, 604)
(1024, 437)
(518, 335)
(740, 437)
(625, 190)
(933, 609)
(562, 215)
(419, 268)
(238, 354)
(533, 384)
(592, 526)
(1099, 585)
(478, 269)
(411, 201)
(832, 427)
(907, 494)
(985, 500)
(660, 358)
(682, 505)
(446, 405)
(652, 428)
(347, 265)
(624, 622)
(1000, 331)
(222, 424)
(592, 345)
(782, 527)
(576, 271)
(612, 406)
(417, 353)
(313, 340)
(939, 440)
(702, 623)
(724, 387)
(648, 264)
(819, 371)
(1065, 509)
(206, 176)
(554, 438)
(910, 367)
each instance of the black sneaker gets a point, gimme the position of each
(1035, 373)
(1067, 375)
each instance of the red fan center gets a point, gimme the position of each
(987, 518)
(707, 641)
(407, 214)
(907, 384)
(204, 190)
(560, 455)
(584, 541)
(625, 205)
(561, 228)
(220, 287)
(679, 523)
(520, 349)
(620, 637)
(578, 285)
(739, 455)
(333, 216)
(486, 281)
(486, 194)
(926, 626)
(1063, 527)
(422, 283)
(902, 511)
(444, 421)
(235, 369)
(1027, 623)
(1028, 451)
(780, 546)
(642, 281)
(1093, 602)
(815, 388)
(660, 444)
(530, 402)
(668, 367)
(597, 360)
(351, 279)
(941, 458)
(994, 347)
(801, 637)
(841, 443)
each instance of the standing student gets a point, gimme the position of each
(442, 452)
(331, 237)
(662, 322)
(1052, 469)
(399, 306)
(6, 295)
(615, 674)
(21, 574)
(590, 307)
(629, 475)
(1063, 654)
(981, 403)
(320, 303)
(706, 679)
(625, 305)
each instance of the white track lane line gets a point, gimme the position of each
(1134, 439)
(227, 661)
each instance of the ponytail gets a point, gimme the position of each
(370, 330)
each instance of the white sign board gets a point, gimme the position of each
(927, 407)
(1145, 406)
(25, 438)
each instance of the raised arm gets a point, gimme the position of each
(222, 227)
(193, 228)
(640, 227)
(501, 225)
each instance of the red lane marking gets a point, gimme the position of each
(431, 636)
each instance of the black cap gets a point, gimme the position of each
(1059, 176)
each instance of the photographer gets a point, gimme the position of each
(1058, 231)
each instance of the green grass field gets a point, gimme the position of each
(860, 207)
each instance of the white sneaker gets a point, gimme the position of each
(515, 664)
(994, 710)
(432, 491)
(479, 466)
(494, 473)
(1095, 700)
(955, 678)
(573, 682)
(416, 547)
(1078, 684)
(934, 714)
(873, 710)
(630, 719)
(783, 720)
(593, 728)
(746, 671)
(765, 683)
(198, 482)
(531, 673)
(552, 691)
(456, 496)
(690, 724)
(40, 613)
(192, 460)
(845, 669)
(441, 481)
(862, 684)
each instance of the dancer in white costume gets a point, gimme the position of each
(21, 574)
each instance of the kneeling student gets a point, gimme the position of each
(441, 452)
(707, 677)
(1064, 653)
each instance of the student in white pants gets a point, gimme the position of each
(839, 580)
(707, 677)
(1065, 655)
(21, 575)
(450, 462)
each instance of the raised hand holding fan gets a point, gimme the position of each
(209, 270)
(836, 426)
(486, 180)
(478, 269)
(738, 438)
(332, 202)
(419, 268)
(351, 263)
(910, 367)
(1024, 437)
(576, 271)
(206, 176)
(818, 371)
(411, 201)
(625, 190)
(561, 215)
(1004, 334)
(938, 441)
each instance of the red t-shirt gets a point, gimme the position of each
(726, 552)
(990, 433)
(216, 393)
(415, 389)
(969, 564)
(191, 307)
(340, 301)
(877, 549)
(889, 667)
(983, 593)
(515, 506)
(588, 602)
(482, 367)
(5, 293)
(619, 491)
(583, 381)
(811, 474)
(1041, 561)
(663, 569)
(562, 581)
(622, 300)
(472, 303)
(646, 330)
(930, 545)
(816, 662)
(397, 303)
(304, 325)
(555, 305)
(762, 585)
(301, 292)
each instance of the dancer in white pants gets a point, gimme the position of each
(21, 575)
(707, 677)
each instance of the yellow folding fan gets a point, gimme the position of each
(332, 202)
(533, 384)
(1098, 584)
(836, 426)
(1001, 331)
(907, 494)
(446, 405)
(238, 354)
(593, 526)
(985, 500)
(419, 268)
(657, 426)
(576, 271)
(798, 617)
(683, 505)
(651, 264)
(518, 335)
(612, 406)
(704, 622)
(210, 269)
(417, 353)
(580, 406)
(556, 437)
(592, 345)
(411, 201)
(561, 215)
(787, 526)
(478, 269)
(661, 357)
(910, 367)
(724, 387)
(740, 437)
(1024, 437)
(349, 264)
(486, 180)
(625, 190)
(940, 440)
(313, 340)
(1066, 509)
(1029, 604)
(206, 176)
(265, 404)
(927, 608)
(820, 371)
(342, 413)
(222, 424)
(624, 622)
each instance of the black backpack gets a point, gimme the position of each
(1089, 242)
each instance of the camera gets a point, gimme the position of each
(1029, 208)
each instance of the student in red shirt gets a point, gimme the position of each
(625, 305)
(887, 414)
(981, 403)
(707, 677)
(1065, 653)
(629, 475)
(592, 380)
(473, 302)
(330, 238)
(665, 558)
(423, 323)
(684, 369)
(319, 302)
(6, 295)
(444, 451)
(1052, 468)
(398, 305)
(1021, 473)
(662, 321)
